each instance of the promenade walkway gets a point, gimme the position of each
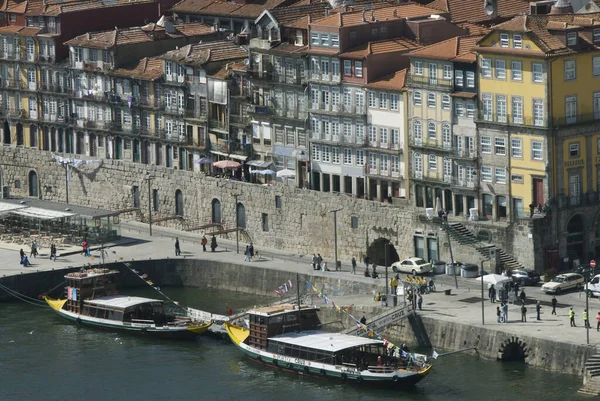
(463, 305)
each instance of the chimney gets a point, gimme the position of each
(561, 7)
(364, 19)
(372, 15)
(327, 11)
(395, 13)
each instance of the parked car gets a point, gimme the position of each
(412, 265)
(593, 287)
(525, 277)
(563, 282)
(586, 271)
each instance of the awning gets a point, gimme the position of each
(42, 214)
(259, 163)
(232, 155)
(9, 207)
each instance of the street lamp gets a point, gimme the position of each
(482, 298)
(237, 230)
(149, 178)
(335, 236)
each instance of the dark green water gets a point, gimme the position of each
(60, 361)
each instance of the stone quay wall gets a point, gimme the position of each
(299, 221)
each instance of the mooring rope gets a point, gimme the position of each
(24, 298)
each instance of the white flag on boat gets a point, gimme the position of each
(435, 355)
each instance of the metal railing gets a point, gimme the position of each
(510, 119)
(425, 142)
(430, 83)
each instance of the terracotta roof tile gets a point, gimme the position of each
(473, 29)
(464, 95)
(11, 29)
(30, 31)
(395, 81)
(381, 14)
(58, 7)
(224, 8)
(472, 10)
(455, 49)
(148, 69)
(383, 46)
(201, 53)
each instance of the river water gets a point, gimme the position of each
(60, 361)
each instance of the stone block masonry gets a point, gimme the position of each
(302, 223)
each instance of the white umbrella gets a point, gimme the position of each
(204, 160)
(493, 279)
(265, 172)
(285, 173)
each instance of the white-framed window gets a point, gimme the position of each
(383, 136)
(504, 40)
(596, 35)
(372, 161)
(486, 144)
(417, 100)
(537, 151)
(516, 73)
(394, 101)
(500, 175)
(395, 136)
(384, 162)
(516, 147)
(314, 39)
(326, 154)
(418, 129)
(431, 131)
(458, 78)
(360, 131)
(470, 109)
(335, 40)
(447, 167)
(347, 156)
(538, 112)
(571, 109)
(372, 135)
(470, 79)
(335, 69)
(570, 70)
(596, 65)
(538, 72)
(459, 109)
(486, 107)
(486, 174)
(432, 162)
(395, 161)
(299, 41)
(324, 39)
(572, 39)
(500, 69)
(517, 109)
(358, 69)
(383, 100)
(418, 162)
(501, 108)
(316, 152)
(500, 146)
(574, 149)
(574, 187)
(78, 54)
(431, 99)
(418, 68)
(517, 41)
(335, 155)
(372, 100)
(360, 157)
(447, 72)
(446, 136)
(445, 102)
(486, 68)
(348, 68)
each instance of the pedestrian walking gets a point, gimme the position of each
(314, 262)
(33, 250)
(319, 261)
(247, 254)
(353, 265)
(53, 252)
(375, 275)
(431, 284)
(554, 302)
(522, 296)
(538, 309)
(177, 248)
(492, 293)
(213, 243)
(367, 261)
(586, 322)
(363, 320)
(505, 310)
(572, 317)
(499, 314)
(204, 242)
(598, 322)
(523, 313)
(420, 301)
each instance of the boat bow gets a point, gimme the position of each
(237, 334)
(56, 304)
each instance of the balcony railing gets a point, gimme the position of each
(466, 183)
(196, 114)
(429, 83)
(510, 119)
(464, 153)
(425, 142)
(220, 125)
(270, 76)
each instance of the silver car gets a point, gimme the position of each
(412, 265)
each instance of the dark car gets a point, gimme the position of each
(525, 277)
(586, 271)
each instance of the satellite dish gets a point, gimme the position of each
(246, 61)
(491, 8)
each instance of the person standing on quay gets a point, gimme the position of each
(353, 265)
(538, 309)
(492, 293)
(367, 261)
(523, 313)
(586, 322)
(213, 243)
(420, 301)
(177, 249)
(505, 310)
(554, 302)
(598, 322)
(204, 242)
(572, 317)
(499, 314)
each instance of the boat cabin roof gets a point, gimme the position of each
(120, 301)
(280, 309)
(90, 273)
(323, 341)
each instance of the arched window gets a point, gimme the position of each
(216, 211)
(431, 131)
(19, 134)
(241, 215)
(33, 184)
(178, 203)
(418, 130)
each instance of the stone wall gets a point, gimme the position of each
(303, 224)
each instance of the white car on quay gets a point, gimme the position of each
(412, 265)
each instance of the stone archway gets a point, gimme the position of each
(576, 238)
(376, 252)
(513, 350)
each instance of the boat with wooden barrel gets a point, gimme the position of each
(92, 300)
(287, 337)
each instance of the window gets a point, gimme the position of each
(394, 101)
(347, 156)
(517, 109)
(354, 222)
(431, 131)
(574, 149)
(486, 106)
(500, 174)
(596, 66)
(265, 222)
(486, 68)
(417, 129)
(324, 39)
(326, 154)
(417, 98)
(538, 72)
(447, 72)
(504, 40)
(486, 144)
(572, 39)
(500, 69)
(372, 101)
(418, 68)
(459, 109)
(360, 131)
(458, 78)
(383, 136)
(518, 178)
(430, 99)
(316, 152)
(570, 67)
(299, 38)
(348, 68)
(486, 173)
(358, 72)
(470, 109)
(501, 108)
(516, 74)
(516, 148)
(538, 112)
(596, 35)
(517, 41)
(500, 146)
(360, 157)
(432, 162)
(314, 39)
(470, 79)
(335, 40)
(571, 109)
(597, 105)
(383, 100)
(446, 136)
(537, 153)
(418, 159)
(383, 162)
(78, 54)
(445, 102)
(335, 155)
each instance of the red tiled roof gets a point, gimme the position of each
(224, 8)
(381, 14)
(58, 7)
(201, 53)
(393, 81)
(473, 29)
(383, 46)
(472, 10)
(148, 69)
(454, 49)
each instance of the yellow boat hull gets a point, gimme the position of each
(237, 334)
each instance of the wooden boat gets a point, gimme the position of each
(92, 300)
(286, 337)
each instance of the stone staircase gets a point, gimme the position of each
(380, 322)
(461, 234)
(591, 380)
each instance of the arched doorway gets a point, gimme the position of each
(69, 140)
(6, 133)
(118, 148)
(45, 138)
(61, 140)
(93, 145)
(136, 151)
(158, 159)
(575, 238)
(241, 215)
(501, 207)
(146, 152)
(216, 211)
(488, 205)
(169, 156)
(178, 203)
(80, 144)
(376, 252)
(19, 134)
(33, 136)
(53, 139)
(33, 184)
